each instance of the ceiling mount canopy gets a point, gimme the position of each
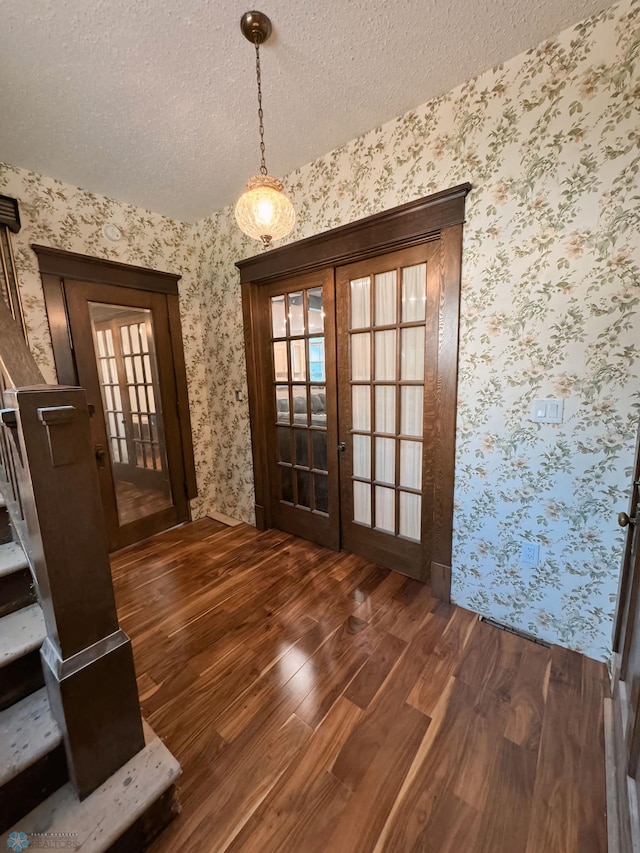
(263, 211)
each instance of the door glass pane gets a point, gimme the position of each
(386, 460)
(300, 404)
(298, 360)
(302, 447)
(385, 344)
(286, 485)
(412, 357)
(318, 398)
(124, 345)
(319, 440)
(411, 410)
(304, 485)
(385, 509)
(362, 456)
(385, 285)
(321, 485)
(317, 372)
(361, 407)
(282, 404)
(362, 502)
(410, 506)
(280, 363)
(315, 320)
(278, 317)
(284, 444)
(361, 356)
(386, 408)
(414, 293)
(296, 313)
(360, 303)
(411, 464)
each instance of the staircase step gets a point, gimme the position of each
(133, 805)
(32, 760)
(12, 558)
(21, 635)
(16, 583)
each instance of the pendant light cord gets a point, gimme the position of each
(263, 165)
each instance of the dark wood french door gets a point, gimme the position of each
(123, 357)
(387, 368)
(358, 451)
(626, 674)
(348, 428)
(301, 406)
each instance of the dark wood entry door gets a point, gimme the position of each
(626, 670)
(124, 360)
(387, 372)
(298, 357)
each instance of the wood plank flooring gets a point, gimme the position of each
(319, 703)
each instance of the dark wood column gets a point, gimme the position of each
(87, 658)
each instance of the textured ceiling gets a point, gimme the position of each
(154, 102)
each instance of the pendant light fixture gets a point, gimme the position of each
(263, 211)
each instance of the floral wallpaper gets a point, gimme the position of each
(550, 308)
(59, 215)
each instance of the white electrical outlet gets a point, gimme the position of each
(530, 553)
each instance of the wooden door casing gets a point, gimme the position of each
(63, 272)
(435, 218)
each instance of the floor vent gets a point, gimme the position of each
(511, 630)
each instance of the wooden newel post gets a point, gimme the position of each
(86, 657)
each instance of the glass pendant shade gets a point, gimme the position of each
(263, 211)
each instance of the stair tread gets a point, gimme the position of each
(12, 558)
(99, 820)
(27, 732)
(20, 633)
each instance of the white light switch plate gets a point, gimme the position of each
(547, 411)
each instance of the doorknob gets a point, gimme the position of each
(342, 447)
(624, 520)
(101, 454)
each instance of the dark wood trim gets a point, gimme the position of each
(55, 305)
(399, 228)
(256, 405)
(451, 266)
(441, 581)
(70, 265)
(181, 387)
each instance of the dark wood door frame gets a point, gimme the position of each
(436, 217)
(59, 268)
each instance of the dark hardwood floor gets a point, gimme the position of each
(319, 703)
